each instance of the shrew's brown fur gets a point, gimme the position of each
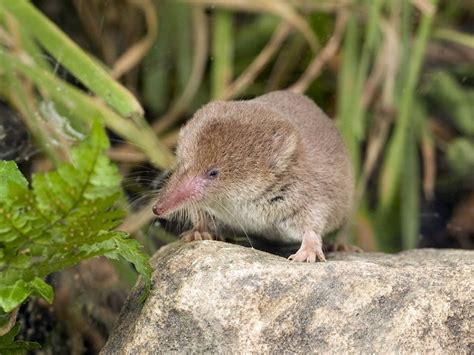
(282, 168)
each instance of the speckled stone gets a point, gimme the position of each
(214, 297)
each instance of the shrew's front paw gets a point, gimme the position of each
(310, 250)
(194, 234)
(308, 255)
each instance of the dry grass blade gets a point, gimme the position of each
(5, 328)
(276, 7)
(392, 63)
(138, 219)
(135, 54)
(321, 5)
(127, 153)
(252, 71)
(199, 66)
(5, 38)
(82, 66)
(428, 155)
(329, 50)
(377, 138)
(424, 7)
(385, 66)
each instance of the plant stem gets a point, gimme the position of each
(222, 52)
(396, 151)
(73, 58)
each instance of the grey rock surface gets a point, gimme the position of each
(214, 297)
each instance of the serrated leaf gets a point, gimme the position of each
(130, 250)
(8, 345)
(20, 261)
(10, 178)
(12, 296)
(42, 289)
(66, 217)
(8, 338)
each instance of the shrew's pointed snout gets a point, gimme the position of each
(158, 209)
(175, 196)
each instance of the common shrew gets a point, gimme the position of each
(273, 166)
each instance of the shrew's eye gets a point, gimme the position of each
(212, 173)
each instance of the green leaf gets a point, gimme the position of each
(411, 183)
(8, 345)
(10, 179)
(130, 250)
(392, 169)
(42, 289)
(12, 296)
(460, 155)
(68, 216)
(86, 108)
(455, 100)
(88, 71)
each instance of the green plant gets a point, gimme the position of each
(27, 35)
(68, 216)
(8, 345)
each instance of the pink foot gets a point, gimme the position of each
(343, 247)
(311, 249)
(194, 234)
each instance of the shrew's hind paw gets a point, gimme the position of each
(309, 256)
(342, 247)
(193, 235)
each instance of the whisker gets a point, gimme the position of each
(238, 222)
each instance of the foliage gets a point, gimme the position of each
(36, 33)
(8, 345)
(396, 74)
(384, 98)
(68, 216)
(226, 53)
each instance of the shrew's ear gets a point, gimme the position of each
(284, 146)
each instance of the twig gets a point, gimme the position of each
(285, 63)
(385, 66)
(279, 8)
(127, 153)
(252, 71)
(4, 329)
(329, 50)
(135, 53)
(429, 165)
(321, 6)
(424, 7)
(138, 219)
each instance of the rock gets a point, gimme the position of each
(214, 297)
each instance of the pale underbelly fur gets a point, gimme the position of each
(255, 222)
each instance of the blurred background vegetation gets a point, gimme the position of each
(397, 75)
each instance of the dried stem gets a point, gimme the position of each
(329, 50)
(4, 329)
(135, 53)
(138, 219)
(252, 71)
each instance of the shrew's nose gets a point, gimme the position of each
(158, 210)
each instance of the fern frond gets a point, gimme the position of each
(68, 216)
